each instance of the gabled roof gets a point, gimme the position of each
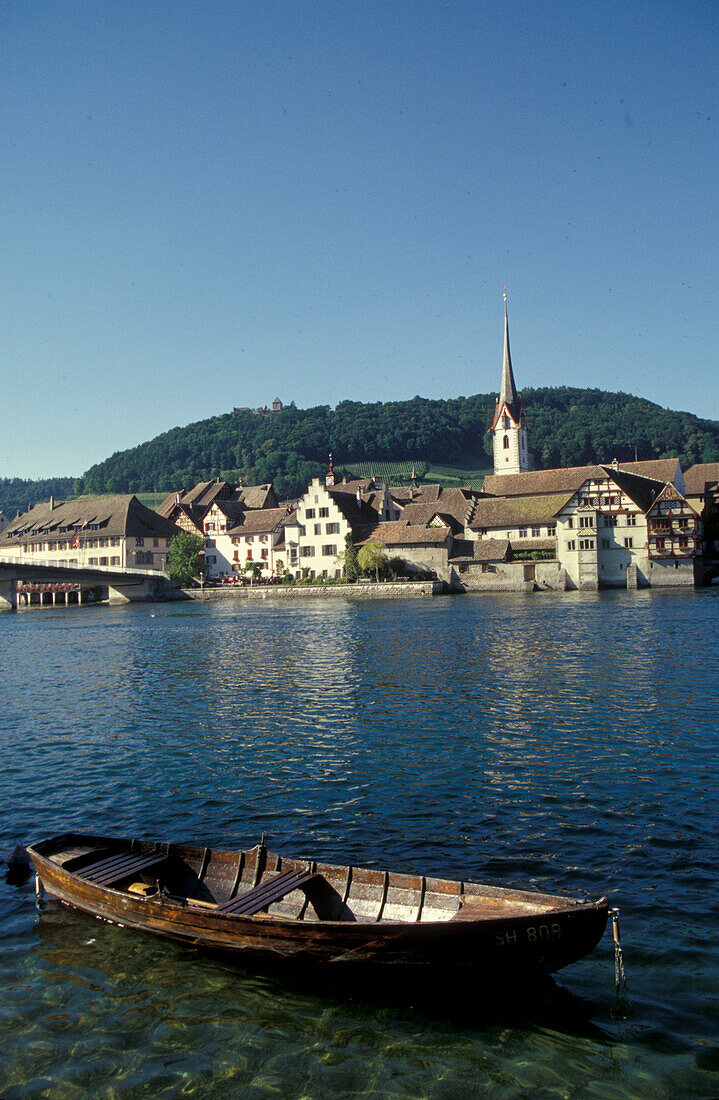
(671, 493)
(699, 476)
(120, 515)
(196, 502)
(257, 521)
(481, 550)
(454, 502)
(570, 478)
(399, 533)
(492, 512)
(643, 491)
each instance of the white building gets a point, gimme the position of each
(622, 530)
(111, 530)
(315, 533)
(236, 536)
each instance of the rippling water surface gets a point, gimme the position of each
(565, 742)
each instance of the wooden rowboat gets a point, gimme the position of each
(259, 904)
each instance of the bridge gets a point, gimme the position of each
(123, 584)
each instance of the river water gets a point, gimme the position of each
(566, 742)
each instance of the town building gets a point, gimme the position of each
(330, 510)
(620, 529)
(188, 508)
(109, 530)
(236, 537)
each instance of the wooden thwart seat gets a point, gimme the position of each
(265, 893)
(105, 872)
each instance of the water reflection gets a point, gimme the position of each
(561, 742)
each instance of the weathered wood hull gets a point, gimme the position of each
(491, 930)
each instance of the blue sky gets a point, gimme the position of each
(208, 204)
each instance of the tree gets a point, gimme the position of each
(185, 558)
(372, 558)
(254, 568)
(350, 564)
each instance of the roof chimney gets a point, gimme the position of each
(52, 503)
(359, 497)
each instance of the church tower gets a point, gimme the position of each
(509, 427)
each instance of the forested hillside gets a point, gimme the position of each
(18, 493)
(567, 426)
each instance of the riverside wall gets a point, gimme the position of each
(363, 590)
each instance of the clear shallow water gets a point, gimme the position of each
(568, 743)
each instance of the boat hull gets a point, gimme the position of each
(531, 943)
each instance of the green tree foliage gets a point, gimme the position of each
(17, 494)
(350, 564)
(568, 426)
(254, 568)
(185, 558)
(372, 558)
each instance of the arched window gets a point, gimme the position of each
(506, 443)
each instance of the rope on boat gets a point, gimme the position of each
(620, 977)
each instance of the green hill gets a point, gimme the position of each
(567, 426)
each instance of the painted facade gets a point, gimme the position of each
(106, 531)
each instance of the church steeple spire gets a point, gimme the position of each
(508, 392)
(508, 426)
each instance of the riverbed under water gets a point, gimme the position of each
(563, 742)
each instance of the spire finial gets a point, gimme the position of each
(504, 289)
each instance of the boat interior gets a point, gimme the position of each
(260, 883)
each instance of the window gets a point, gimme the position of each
(683, 543)
(586, 544)
(610, 521)
(307, 551)
(628, 543)
(586, 521)
(570, 522)
(536, 532)
(661, 544)
(522, 532)
(631, 520)
(323, 513)
(249, 555)
(551, 530)
(264, 553)
(506, 425)
(139, 542)
(318, 528)
(114, 561)
(506, 443)
(249, 538)
(604, 545)
(309, 513)
(302, 530)
(263, 538)
(571, 545)
(328, 551)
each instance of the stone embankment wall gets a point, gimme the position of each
(364, 590)
(516, 576)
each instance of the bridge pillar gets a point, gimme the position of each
(8, 595)
(132, 593)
